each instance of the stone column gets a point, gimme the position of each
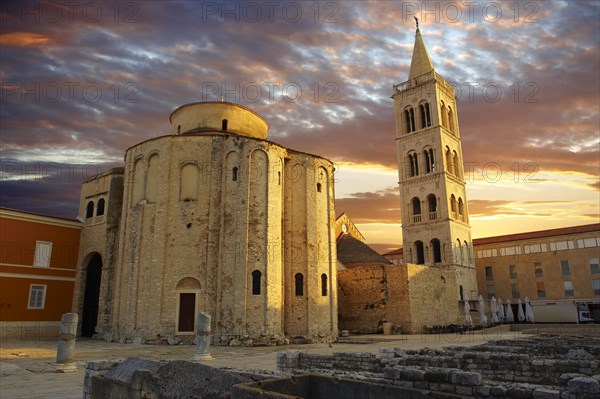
(202, 338)
(65, 362)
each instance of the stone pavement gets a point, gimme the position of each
(27, 369)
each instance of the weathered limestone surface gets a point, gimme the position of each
(412, 296)
(65, 354)
(217, 219)
(202, 338)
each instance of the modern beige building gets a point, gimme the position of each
(552, 264)
(213, 218)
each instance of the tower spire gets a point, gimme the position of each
(421, 63)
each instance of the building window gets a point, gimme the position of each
(461, 209)
(420, 252)
(43, 253)
(456, 164)
(318, 187)
(514, 289)
(594, 266)
(541, 289)
(489, 275)
(596, 285)
(323, 284)
(299, 284)
(564, 265)
(416, 208)
(234, 173)
(437, 251)
(453, 205)
(178, 129)
(432, 202)
(537, 267)
(425, 115)
(449, 167)
(491, 291)
(100, 210)
(224, 124)
(256, 282)
(89, 210)
(512, 270)
(413, 164)
(568, 288)
(37, 296)
(429, 165)
(409, 117)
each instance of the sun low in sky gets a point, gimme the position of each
(81, 82)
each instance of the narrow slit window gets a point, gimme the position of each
(323, 284)
(224, 124)
(299, 284)
(234, 173)
(256, 275)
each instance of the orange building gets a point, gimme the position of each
(38, 262)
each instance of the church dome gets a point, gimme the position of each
(221, 116)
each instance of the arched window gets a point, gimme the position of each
(178, 129)
(139, 182)
(100, 209)
(234, 173)
(461, 209)
(432, 202)
(451, 124)
(188, 182)
(456, 164)
(409, 117)
(256, 282)
(420, 252)
(424, 115)
(449, 167)
(413, 164)
(462, 296)
(468, 251)
(444, 113)
(318, 187)
(152, 178)
(460, 252)
(323, 284)
(428, 155)
(224, 124)
(416, 208)
(437, 251)
(299, 280)
(453, 205)
(89, 210)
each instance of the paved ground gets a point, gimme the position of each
(27, 368)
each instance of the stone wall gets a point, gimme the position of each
(208, 239)
(412, 296)
(544, 367)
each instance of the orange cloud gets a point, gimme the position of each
(22, 39)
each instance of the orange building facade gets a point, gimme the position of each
(38, 262)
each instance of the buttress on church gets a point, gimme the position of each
(214, 217)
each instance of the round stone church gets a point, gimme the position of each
(212, 218)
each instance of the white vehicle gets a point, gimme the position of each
(560, 312)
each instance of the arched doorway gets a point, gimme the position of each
(91, 295)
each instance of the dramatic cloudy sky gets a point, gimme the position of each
(82, 81)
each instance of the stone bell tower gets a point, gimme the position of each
(435, 217)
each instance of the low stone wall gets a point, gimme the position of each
(94, 369)
(588, 330)
(557, 368)
(501, 366)
(351, 361)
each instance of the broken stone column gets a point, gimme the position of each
(65, 362)
(202, 338)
